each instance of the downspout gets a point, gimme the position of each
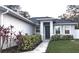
(3, 17)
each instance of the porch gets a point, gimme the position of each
(48, 28)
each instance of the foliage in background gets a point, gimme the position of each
(17, 8)
(72, 13)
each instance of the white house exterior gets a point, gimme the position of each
(45, 26)
(20, 23)
(9, 17)
(49, 27)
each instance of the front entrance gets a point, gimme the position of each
(47, 30)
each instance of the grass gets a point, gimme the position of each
(63, 46)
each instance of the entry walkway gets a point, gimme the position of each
(41, 48)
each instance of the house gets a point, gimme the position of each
(47, 26)
(9, 17)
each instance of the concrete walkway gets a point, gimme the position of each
(41, 48)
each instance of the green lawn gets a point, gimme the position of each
(63, 46)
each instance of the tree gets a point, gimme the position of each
(17, 8)
(72, 13)
(14, 7)
(25, 14)
(64, 16)
(73, 9)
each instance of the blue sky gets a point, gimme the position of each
(38, 8)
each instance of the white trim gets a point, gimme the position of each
(17, 14)
(65, 23)
(51, 28)
(45, 19)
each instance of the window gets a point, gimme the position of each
(37, 29)
(67, 31)
(57, 28)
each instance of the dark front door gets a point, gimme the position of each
(47, 32)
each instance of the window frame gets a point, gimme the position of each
(67, 28)
(57, 29)
(37, 29)
(68, 31)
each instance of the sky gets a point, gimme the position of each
(42, 8)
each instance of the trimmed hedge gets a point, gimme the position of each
(62, 37)
(67, 37)
(29, 42)
(56, 37)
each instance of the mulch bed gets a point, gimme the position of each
(15, 49)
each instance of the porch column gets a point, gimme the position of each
(41, 30)
(51, 28)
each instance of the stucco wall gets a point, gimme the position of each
(76, 34)
(73, 31)
(19, 25)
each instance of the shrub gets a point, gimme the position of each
(62, 37)
(29, 42)
(67, 37)
(6, 34)
(56, 37)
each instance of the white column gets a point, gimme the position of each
(41, 30)
(51, 28)
(61, 30)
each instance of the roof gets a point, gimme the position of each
(63, 21)
(40, 17)
(36, 19)
(15, 14)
